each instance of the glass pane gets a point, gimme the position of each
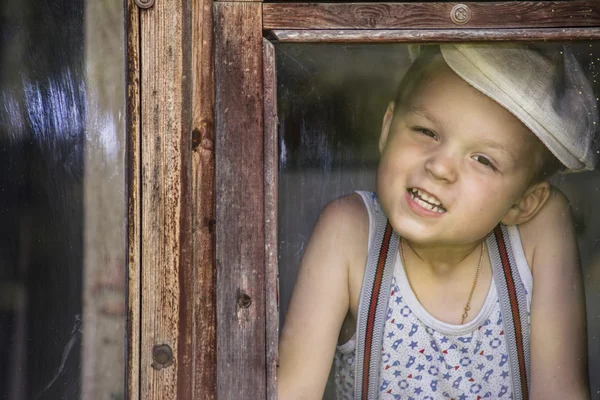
(62, 194)
(331, 103)
(406, 1)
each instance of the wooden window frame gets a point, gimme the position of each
(202, 159)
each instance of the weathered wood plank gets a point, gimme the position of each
(203, 189)
(437, 35)
(133, 201)
(530, 14)
(271, 274)
(240, 208)
(165, 194)
(183, 149)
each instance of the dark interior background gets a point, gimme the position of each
(41, 166)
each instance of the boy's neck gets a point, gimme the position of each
(440, 259)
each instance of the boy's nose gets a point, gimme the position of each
(442, 166)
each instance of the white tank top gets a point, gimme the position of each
(425, 358)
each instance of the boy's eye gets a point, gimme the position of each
(425, 131)
(483, 160)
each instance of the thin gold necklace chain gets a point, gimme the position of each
(468, 306)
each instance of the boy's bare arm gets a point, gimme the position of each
(320, 300)
(558, 321)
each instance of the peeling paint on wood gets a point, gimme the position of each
(166, 282)
(133, 201)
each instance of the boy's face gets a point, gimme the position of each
(453, 162)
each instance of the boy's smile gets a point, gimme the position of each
(453, 163)
(424, 202)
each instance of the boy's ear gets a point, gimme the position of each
(385, 126)
(530, 203)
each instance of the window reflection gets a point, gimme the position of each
(331, 100)
(62, 203)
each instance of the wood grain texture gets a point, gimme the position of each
(437, 35)
(166, 305)
(271, 270)
(531, 14)
(203, 189)
(240, 202)
(132, 374)
(183, 149)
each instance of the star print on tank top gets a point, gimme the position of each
(425, 358)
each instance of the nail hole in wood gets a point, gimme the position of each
(243, 300)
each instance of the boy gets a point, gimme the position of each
(467, 145)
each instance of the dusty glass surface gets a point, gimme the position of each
(331, 101)
(404, 1)
(62, 200)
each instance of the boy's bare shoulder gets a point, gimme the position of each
(558, 302)
(351, 204)
(321, 298)
(347, 216)
(347, 219)
(551, 230)
(555, 214)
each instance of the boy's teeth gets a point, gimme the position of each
(427, 198)
(426, 201)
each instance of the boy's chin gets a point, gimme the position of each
(419, 233)
(415, 231)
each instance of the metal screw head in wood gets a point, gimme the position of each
(144, 3)
(460, 14)
(162, 355)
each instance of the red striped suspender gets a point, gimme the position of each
(512, 300)
(373, 307)
(514, 306)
